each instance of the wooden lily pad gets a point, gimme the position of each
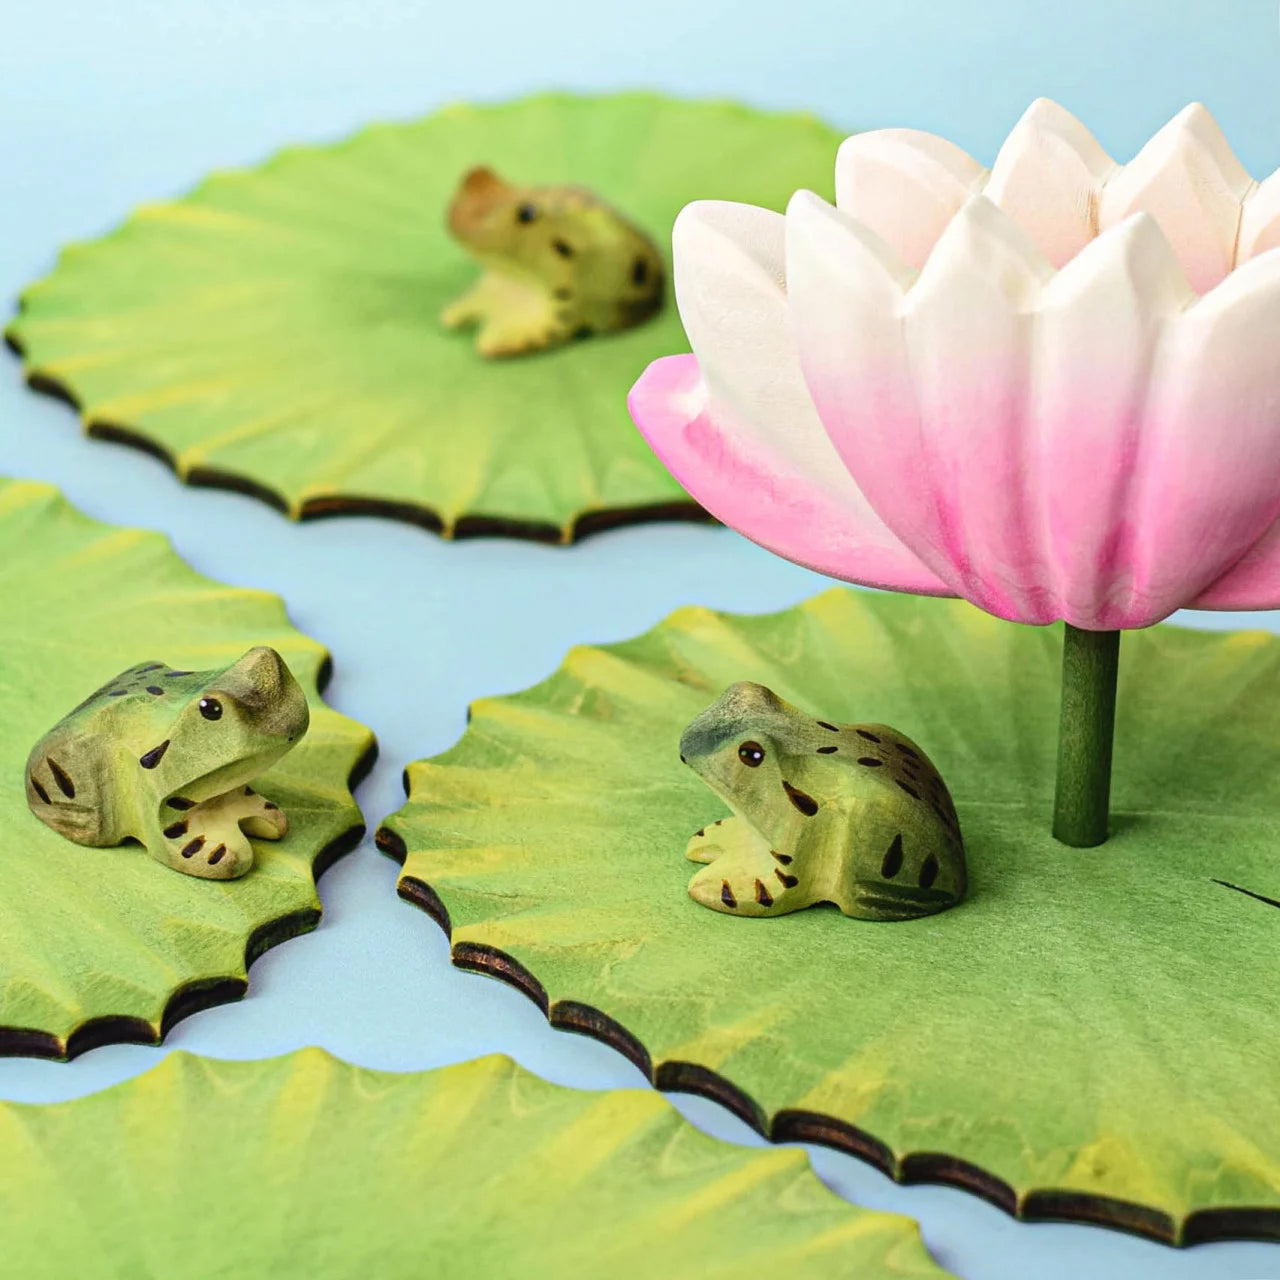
(105, 945)
(276, 331)
(306, 1166)
(1091, 1035)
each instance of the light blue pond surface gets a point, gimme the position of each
(104, 106)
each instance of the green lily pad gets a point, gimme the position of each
(276, 331)
(1091, 1035)
(105, 945)
(306, 1166)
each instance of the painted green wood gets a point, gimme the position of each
(107, 944)
(305, 1166)
(1091, 1034)
(1086, 724)
(278, 329)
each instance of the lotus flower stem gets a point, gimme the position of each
(1090, 660)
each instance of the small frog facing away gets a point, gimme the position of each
(558, 263)
(851, 814)
(166, 757)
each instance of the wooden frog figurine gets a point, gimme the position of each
(558, 263)
(850, 814)
(166, 757)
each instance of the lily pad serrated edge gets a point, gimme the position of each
(200, 993)
(317, 1073)
(1202, 1226)
(467, 526)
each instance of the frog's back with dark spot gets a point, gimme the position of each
(620, 277)
(69, 770)
(906, 850)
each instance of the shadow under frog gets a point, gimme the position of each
(855, 815)
(558, 263)
(166, 757)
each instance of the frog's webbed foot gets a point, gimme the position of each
(210, 849)
(705, 845)
(261, 818)
(468, 309)
(211, 839)
(515, 316)
(745, 877)
(521, 333)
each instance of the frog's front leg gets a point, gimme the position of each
(515, 316)
(705, 845)
(745, 877)
(210, 839)
(472, 307)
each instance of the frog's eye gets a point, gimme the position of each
(751, 754)
(526, 213)
(211, 708)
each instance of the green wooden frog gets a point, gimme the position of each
(558, 263)
(851, 814)
(166, 757)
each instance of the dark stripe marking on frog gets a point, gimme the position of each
(65, 785)
(892, 863)
(805, 803)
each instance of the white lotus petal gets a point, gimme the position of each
(1188, 178)
(982, 250)
(905, 185)
(1048, 176)
(732, 298)
(1260, 220)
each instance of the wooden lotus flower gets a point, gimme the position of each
(1050, 388)
(1002, 386)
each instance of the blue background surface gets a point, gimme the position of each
(105, 106)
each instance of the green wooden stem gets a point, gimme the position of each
(1089, 663)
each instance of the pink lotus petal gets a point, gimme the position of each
(818, 522)
(1097, 442)
(1208, 484)
(923, 390)
(1101, 324)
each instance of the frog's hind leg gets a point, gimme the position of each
(744, 876)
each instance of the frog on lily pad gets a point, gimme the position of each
(166, 757)
(852, 814)
(558, 263)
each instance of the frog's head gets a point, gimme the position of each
(739, 745)
(230, 727)
(538, 228)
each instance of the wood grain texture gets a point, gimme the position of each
(104, 945)
(305, 1166)
(276, 331)
(1090, 1036)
